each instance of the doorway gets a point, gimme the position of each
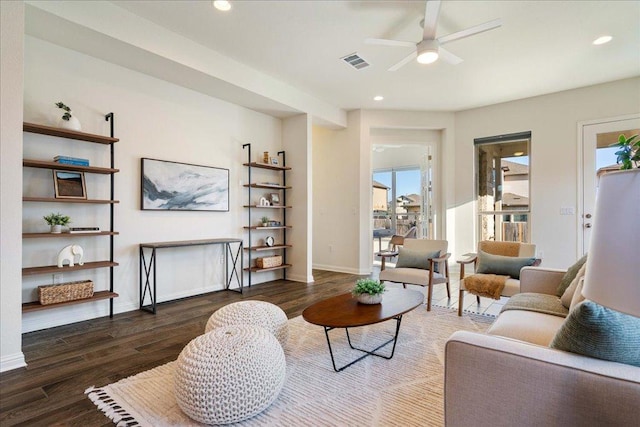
(598, 157)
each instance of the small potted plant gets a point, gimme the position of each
(265, 221)
(57, 221)
(368, 291)
(68, 120)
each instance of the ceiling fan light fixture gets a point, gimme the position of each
(427, 52)
(602, 40)
(222, 5)
(378, 98)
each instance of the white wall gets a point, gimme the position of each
(153, 119)
(342, 162)
(553, 121)
(11, 86)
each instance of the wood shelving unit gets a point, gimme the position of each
(110, 171)
(282, 246)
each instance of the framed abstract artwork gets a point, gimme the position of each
(69, 185)
(170, 185)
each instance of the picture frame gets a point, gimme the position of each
(167, 185)
(274, 198)
(69, 185)
(274, 161)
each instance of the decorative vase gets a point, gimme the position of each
(72, 124)
(56, 229)
(370, 299)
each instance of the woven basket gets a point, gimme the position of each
(69, 291)
(269, 261)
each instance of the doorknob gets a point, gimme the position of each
(587, 216)
(587, 225)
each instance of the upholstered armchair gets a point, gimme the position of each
(497, 269)
(421, 262)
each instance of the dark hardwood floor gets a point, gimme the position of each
(64, 361)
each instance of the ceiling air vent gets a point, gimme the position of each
(355, 61)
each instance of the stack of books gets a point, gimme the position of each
(71, 160)
(84, 229)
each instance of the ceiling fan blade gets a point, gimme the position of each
(404, 61)
(387, 42)
(481, 28)
(449, 57)
(431, 12)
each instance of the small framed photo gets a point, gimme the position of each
(274, 161)
(69, 185)
(275, 199)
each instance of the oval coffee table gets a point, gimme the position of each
(344, 311)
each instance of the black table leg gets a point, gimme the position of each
(147, 285)
(367, 352)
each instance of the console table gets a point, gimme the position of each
(150, 268)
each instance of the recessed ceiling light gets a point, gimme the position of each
(378, 98)
(602, 40)
(223, 5)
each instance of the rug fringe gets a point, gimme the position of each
(108, 406)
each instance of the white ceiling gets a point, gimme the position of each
(542, 47)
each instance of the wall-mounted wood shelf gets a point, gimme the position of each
(51, 269)
(267, 207)
(258, 269)
(36, 306)
(268, 186)
(66, 133)
(267, 248)
(54, 235)
(41, 164)
(54, 200)
(259, 227)
(267, 166)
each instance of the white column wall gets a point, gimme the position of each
(11, 87)
(296, 141)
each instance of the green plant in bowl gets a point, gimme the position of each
(629, 153)
(368, 286)
(57, 219)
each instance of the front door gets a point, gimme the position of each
(598, 157)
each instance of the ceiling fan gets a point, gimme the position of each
(430, 49)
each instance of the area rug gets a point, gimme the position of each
(406, 390)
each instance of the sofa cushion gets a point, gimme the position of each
(502, 265)
(567, 296)
(570, 275)
(542, 303)
(596, 331)
(577, 295)
(409, 258)
(529, 326)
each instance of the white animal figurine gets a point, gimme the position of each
(69, 253)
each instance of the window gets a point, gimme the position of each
(502, 187)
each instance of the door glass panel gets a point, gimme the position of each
(502, 188)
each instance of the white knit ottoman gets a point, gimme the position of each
(229, 374)
(259, 313)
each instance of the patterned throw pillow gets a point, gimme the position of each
(502, 265)
(409, 258)
(570, 275)
(596, 331)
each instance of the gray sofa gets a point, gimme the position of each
(509, 376)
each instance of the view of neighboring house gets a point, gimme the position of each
(380, 197)
(515, 186)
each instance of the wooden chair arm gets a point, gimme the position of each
(469, 260)
(441, 258)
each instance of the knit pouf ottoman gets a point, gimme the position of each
(259, 313)
(229, 374)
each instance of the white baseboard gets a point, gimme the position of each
(340, 269)
(12, 361)
(300, 278)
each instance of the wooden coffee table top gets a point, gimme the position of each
(344, 311)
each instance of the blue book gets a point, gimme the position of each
(70, 158)
(73, 162)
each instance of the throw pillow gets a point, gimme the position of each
(570, 275)
(409, 258)
(504, 265)
(577, 295)
(567, 296)
(596, 331)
